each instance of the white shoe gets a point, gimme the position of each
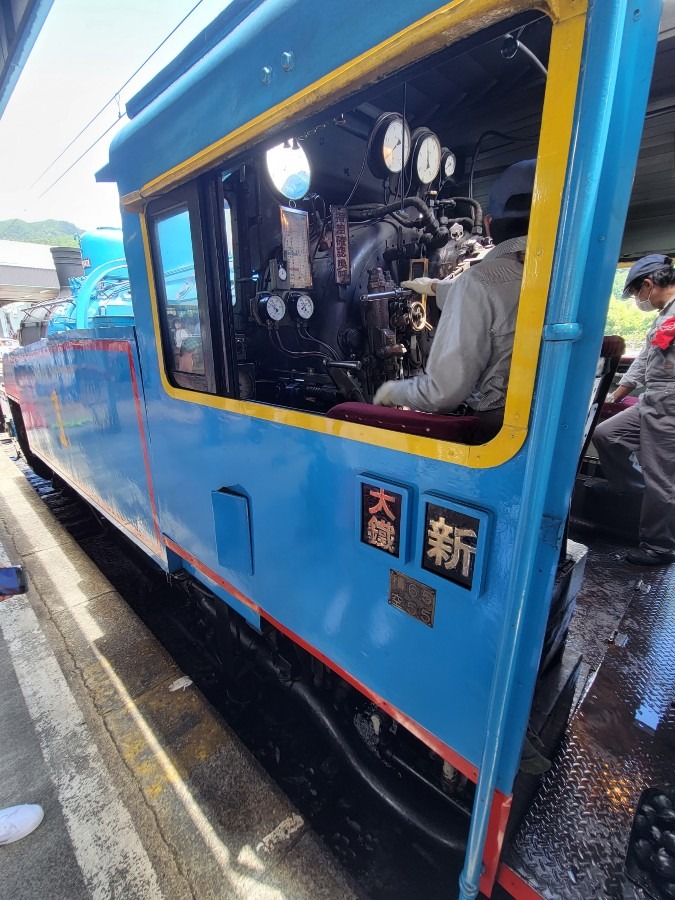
(18, 821)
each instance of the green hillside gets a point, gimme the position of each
(50, 231)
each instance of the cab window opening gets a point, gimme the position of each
(390, 188)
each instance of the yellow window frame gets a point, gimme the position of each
(424, 37)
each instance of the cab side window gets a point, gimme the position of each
(182, 290)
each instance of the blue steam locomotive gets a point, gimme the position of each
(279, 180)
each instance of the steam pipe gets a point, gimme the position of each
(368, 210)
(434, 815)
(470, 201)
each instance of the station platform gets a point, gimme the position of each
(147, 793)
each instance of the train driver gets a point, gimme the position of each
(470, 357)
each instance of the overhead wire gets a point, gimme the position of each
(115, 96)
(81, 156)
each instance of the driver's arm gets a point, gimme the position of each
(460, 351)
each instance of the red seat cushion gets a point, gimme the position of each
(611, 409)
(463, 429)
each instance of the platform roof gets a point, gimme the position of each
(26, 272)
(20, 24)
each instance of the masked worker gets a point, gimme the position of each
(637, 446)
(470, 357)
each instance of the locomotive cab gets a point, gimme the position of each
(294, 299)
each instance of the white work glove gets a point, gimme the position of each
(384, 394)
(421, 285)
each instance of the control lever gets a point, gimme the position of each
(396, 294)
(344, 381)
(349, 365)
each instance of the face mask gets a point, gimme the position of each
(644, 305)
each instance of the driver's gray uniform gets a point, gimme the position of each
(470, 356)
(637, 447)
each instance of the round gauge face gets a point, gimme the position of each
(448, 164)
(389, 145)
(304, 306)
(272, 307)
(428, 158)
(396, 145)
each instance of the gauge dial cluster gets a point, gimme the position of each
(271, 308)
(393, 149)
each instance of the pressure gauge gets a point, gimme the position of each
(426, 156)
(389, 145)
(448, 163)
(300, 306)
(271, 307)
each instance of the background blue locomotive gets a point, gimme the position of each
(267, 293)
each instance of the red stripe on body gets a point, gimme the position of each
(494, 840)
(445, 752)
(516, 885)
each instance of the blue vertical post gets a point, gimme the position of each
(618, 40)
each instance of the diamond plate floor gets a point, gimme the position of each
(572, 843)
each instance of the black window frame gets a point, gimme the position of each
(185, 197)
(216, 250)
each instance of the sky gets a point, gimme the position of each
(85, 52)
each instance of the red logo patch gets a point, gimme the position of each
(665, 334)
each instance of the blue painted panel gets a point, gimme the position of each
(103, 245)
(232, 523)
(82, 412)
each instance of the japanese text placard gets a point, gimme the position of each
(381, 518)
(450, 544)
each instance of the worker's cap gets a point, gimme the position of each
(643, 268)
(517, 179)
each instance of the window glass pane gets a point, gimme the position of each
(180, 289)
(230, 250)
(624, 318)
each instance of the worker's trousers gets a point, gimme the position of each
(637, 452)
